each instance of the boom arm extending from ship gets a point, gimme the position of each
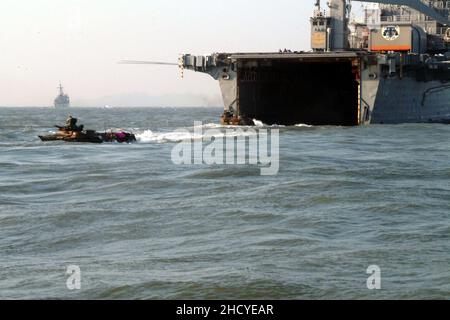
(148, 62)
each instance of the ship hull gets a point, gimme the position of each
(410, 101)
(338, 88)
(62, 105)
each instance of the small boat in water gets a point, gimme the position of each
(229, 119)
(73, 133)
(73, 136)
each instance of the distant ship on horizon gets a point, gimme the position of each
(62, 100)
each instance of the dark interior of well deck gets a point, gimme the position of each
(293, 92)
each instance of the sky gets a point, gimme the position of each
(79, 43)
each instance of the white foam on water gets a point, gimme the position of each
(303, 125)
(258, 123)
(148, 136)
(161, 137)
(210, 126)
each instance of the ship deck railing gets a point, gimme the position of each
(405, 18)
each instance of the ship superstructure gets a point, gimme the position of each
(62, 100)
(438, 33)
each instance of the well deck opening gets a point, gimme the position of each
(289, 92)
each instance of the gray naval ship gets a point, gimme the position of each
(62, 100)
(393, 67)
